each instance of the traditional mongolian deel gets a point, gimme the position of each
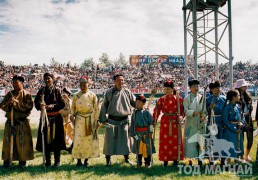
(168, 136)
(68, 125)
(193, 103)
(219, 104)
(231, 116)
(117, 104)
(85, 109)
(54, 131)
(142, 126)
(23, 146)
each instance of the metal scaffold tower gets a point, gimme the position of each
(207, 22)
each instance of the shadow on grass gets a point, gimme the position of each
(118, 169)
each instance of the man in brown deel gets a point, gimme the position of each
(21, 102)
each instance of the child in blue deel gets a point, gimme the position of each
(141, 130)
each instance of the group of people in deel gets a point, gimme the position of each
(188, 128)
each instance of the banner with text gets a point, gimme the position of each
(140, 60)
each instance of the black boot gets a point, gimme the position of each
(199, 163)
(165, 163)
(79, 163)
(86, 164)
(108, 160)
(257, 156)
(22, 164)
(48, 159)
(57, 158)
(6, 164)
(175, 163)
(127, 160)
(139, 162)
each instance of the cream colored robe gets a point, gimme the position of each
(86, 111)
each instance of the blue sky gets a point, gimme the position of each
(35, 31)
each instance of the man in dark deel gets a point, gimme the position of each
(118, 102)
(21, 102)
(53, 128)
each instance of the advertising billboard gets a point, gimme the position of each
(140, 60)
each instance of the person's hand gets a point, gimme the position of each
(150, 135)
(180, 119)
(240, 125)
(50, 106)
(42, 105)
(154, 124)
(10, 101)
(212, 105)
(72, 118)
(136, 137)
(203, 117)
(196, 114)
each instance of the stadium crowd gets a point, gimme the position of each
(148, 76)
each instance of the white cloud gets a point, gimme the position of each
(37, 30)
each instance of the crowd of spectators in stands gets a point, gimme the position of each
(148, 76)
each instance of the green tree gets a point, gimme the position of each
(88, 62)
(104, 59)
(121, 61)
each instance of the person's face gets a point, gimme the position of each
(243, 88)
(195, 88)
(84, 86)
(17, 85)
(216, 91)
(48, 81)
(236, 98)
(168, 90)
(139, 104)
(119, 82)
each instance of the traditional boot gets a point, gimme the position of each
(22, 164)
(165, 164)
(147, 161)
(79, 162)
(6, 164)
(86, 164)
(139, 162)
(48, 159)
(175, 163)
(57, 158)
(127, 160)
(108, 161)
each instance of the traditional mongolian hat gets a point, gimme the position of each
(49, 74)
(169, 83)
(84, 79)
(19, 78)
(141, 97)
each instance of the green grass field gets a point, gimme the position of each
(98, 170)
